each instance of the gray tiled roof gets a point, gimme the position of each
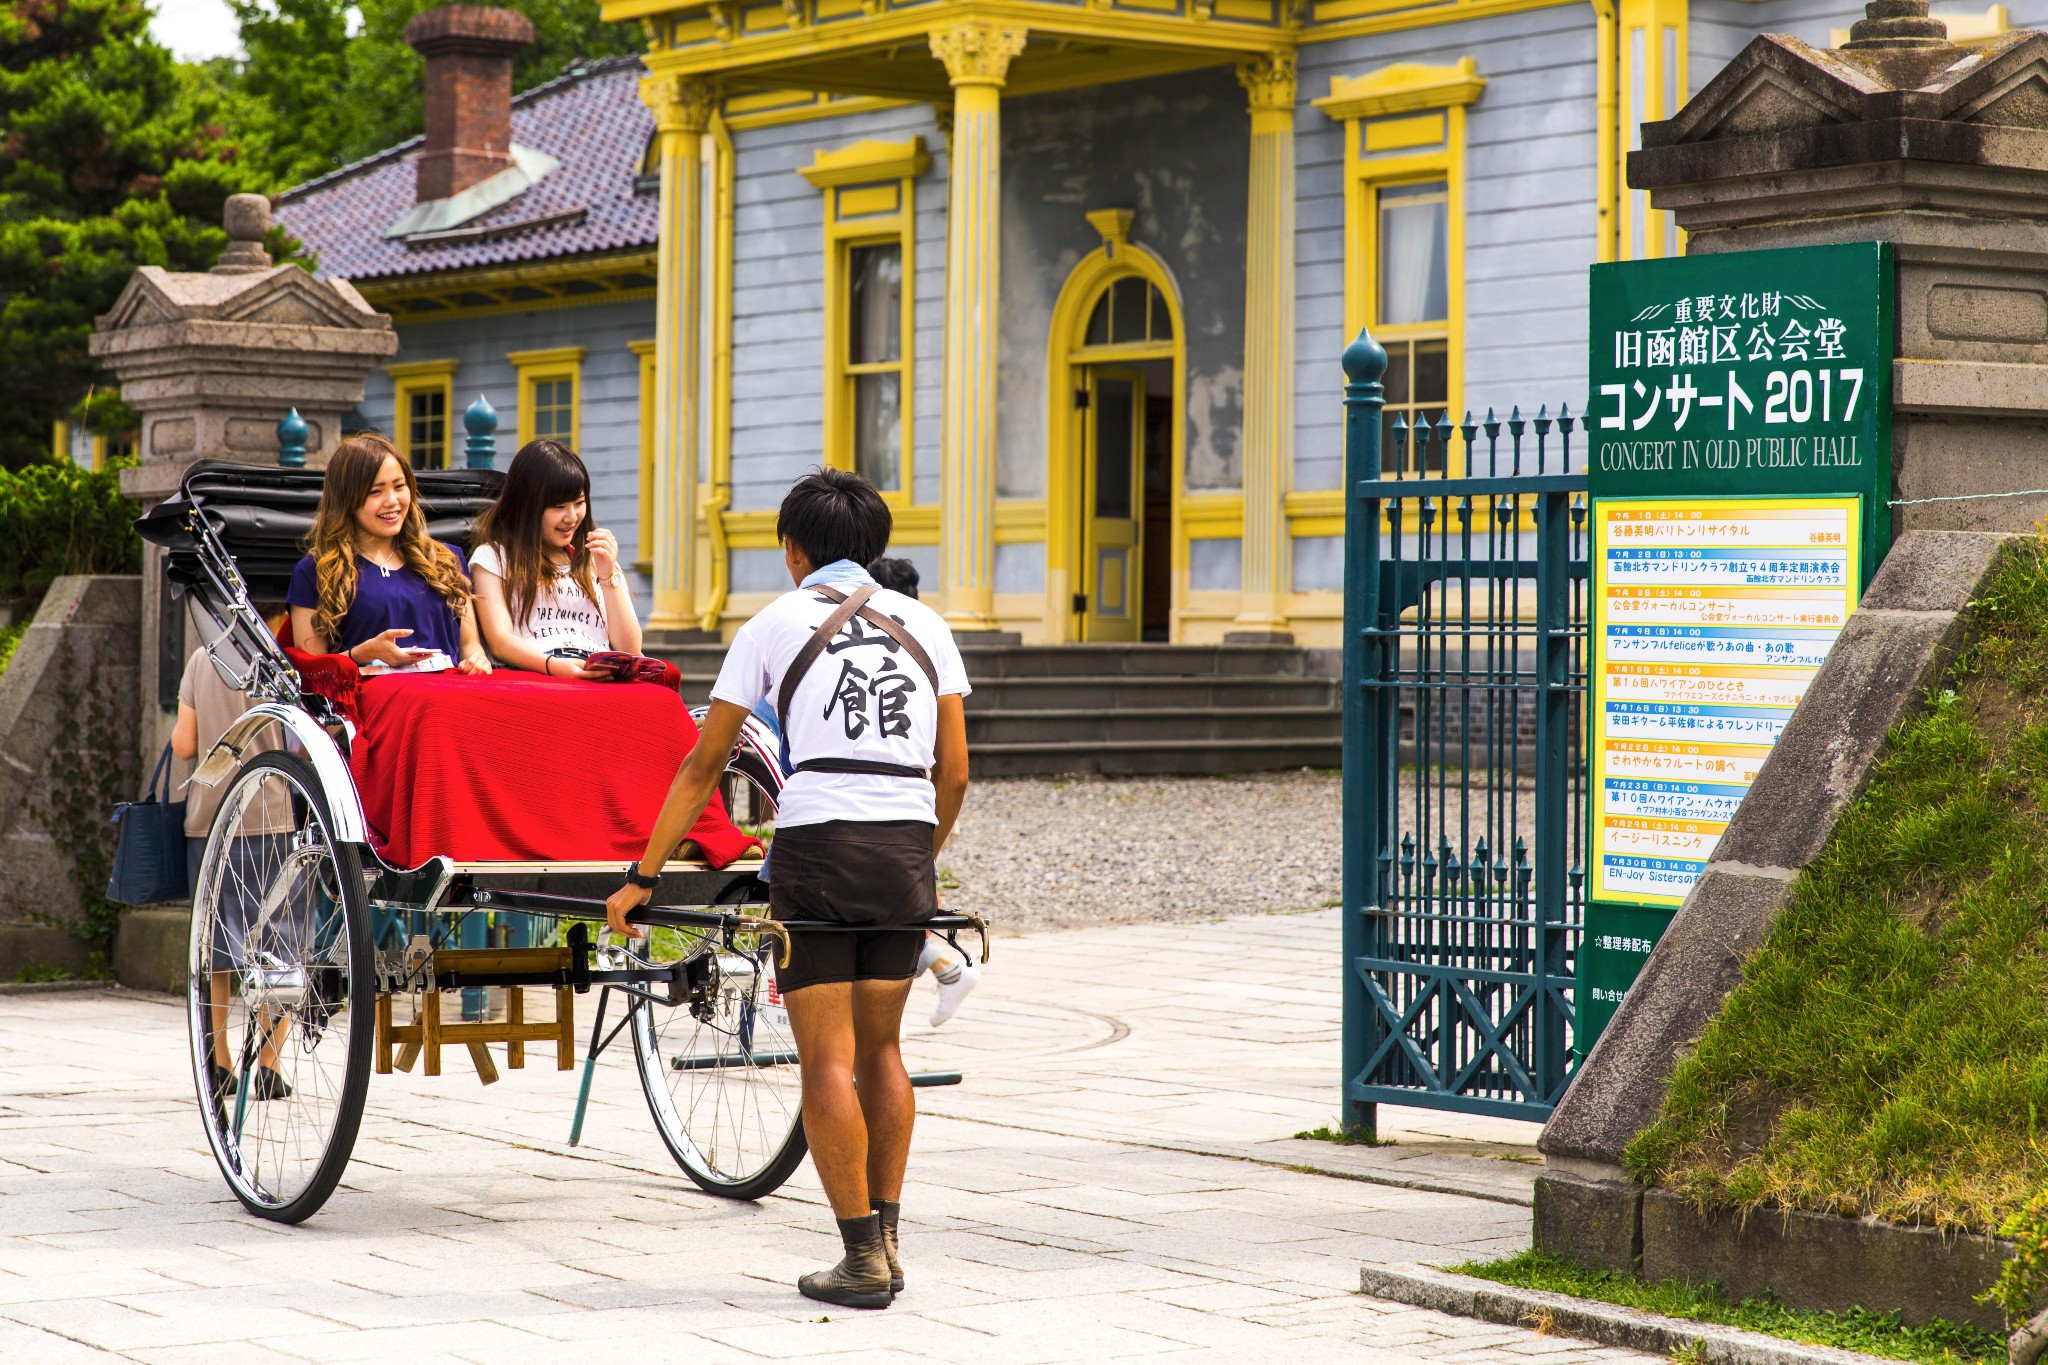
(591, 120)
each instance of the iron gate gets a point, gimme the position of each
(1464, 773)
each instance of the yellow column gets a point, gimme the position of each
(1268, 348)
(682, 111)
(977, 59)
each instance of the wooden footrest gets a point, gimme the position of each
(428, 1034)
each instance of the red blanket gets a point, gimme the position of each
(519, 767)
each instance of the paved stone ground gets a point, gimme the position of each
(1112, 1182)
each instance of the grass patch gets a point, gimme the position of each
(10, 636)
(1887, 1050)
(1937, 1343)
(41, 971)
(1343, 1137)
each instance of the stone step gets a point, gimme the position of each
(1126, 709)
(1041, 661)
(1180, 724)
(1158, 758)
(1083, 693)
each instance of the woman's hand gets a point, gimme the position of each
(623, 902)
(385, 649)
(604, 553)
(475, 662)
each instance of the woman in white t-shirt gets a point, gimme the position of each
(549, 590)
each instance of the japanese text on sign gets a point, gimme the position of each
(1714, 615)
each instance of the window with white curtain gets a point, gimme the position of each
(1412, 307)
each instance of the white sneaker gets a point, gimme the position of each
(951, 993)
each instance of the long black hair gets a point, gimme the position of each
(545, 473)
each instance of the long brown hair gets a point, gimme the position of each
(351, 473)
(544, 474)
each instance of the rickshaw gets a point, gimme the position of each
(305, 941)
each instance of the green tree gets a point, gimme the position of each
(112, 157)
(317, 97)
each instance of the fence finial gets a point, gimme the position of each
(292, 435)
(480, 420)
(1365, 360)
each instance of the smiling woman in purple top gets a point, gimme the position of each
(375, 585)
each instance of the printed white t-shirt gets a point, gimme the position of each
(562, 617)
(864, 697)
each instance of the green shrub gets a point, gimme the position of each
(58, 519)
(9, 638)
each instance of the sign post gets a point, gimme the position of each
(1739, 475)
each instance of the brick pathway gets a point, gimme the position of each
(1114, 1181)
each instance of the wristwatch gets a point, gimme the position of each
(635, 878)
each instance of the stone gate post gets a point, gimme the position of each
(1942, 150)
(210, 363)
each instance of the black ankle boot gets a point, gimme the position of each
(861, 1279)
(888, 1210)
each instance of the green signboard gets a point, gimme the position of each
(1739, 466)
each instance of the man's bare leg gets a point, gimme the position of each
(821, 1018)
(887, 1102)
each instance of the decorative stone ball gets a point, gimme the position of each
(247, 218)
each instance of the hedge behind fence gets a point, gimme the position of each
(58, 519)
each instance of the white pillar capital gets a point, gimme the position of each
(977, 52)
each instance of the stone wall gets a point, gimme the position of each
(68, 711)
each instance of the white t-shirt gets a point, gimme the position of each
(864, 697)
(562, 616)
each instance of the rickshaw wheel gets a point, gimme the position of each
(719, 1070)
(281, 972)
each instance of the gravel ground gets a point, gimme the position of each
(1049, 853)
(1055, 853)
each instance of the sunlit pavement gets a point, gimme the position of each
(1116, 1178)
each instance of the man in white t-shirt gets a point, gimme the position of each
(875, 726)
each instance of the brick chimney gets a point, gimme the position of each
(469, 52)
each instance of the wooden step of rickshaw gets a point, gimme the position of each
(428, 1033)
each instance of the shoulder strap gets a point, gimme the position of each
(815, 646)
(894, 630)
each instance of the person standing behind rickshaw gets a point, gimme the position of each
(869, 685)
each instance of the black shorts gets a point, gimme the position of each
(854, 872)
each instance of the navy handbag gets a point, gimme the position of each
(149, 861)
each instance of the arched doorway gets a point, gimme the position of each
(1113, 467)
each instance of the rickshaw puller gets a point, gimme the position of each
(869, 686)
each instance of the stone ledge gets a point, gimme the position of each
(1970, 388)
(152, 947)
(1824, 1262)
(1589, 1320)
(1596, 1224)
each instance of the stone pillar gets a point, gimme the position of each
(1937, 148)
(682, 113)
(210, 362)
(1268, 441)
(977, 59)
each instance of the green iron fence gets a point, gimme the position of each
(1464, 764)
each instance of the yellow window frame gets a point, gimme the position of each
(870, 191)
(421, 377)
(546, 367)
(644, 562)
(1404, 124)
